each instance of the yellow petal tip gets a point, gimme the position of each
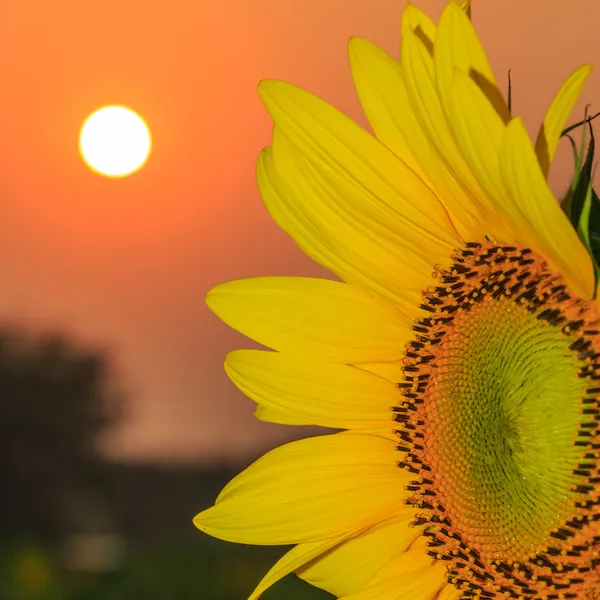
(198, 521)
(267, 86)
(212, 297)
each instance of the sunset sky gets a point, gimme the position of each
(125, 263)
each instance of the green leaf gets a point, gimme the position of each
(581, 186)
(579, 124)
(581, 203)
(594, 226)
(584, 219)
(589, 236)
(566, 201)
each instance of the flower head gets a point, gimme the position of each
(460, 351)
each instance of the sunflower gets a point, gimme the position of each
(458, 352)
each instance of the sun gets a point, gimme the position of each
(115, 141)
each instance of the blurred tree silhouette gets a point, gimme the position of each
(55, 401)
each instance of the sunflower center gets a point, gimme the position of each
(502, 416)
(500, 420)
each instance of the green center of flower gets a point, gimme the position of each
(500, 424)
(503, 414)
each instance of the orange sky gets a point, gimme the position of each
(127, 262)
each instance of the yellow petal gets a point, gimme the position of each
(392, 371)
(309, 490)
(557, 115)
(449, 592)
(378, 80)
(312, 318)
(466, 7)
(552, 236)
(271, 414)
(505, 164)
(297, 557)
(479, 129)
(458, 47)
(418, 23)
(285, 213)
(422, 90)
(411, 576)
(388, 263)
(374, 182)
(382, 93)
(346, 568)
(418, 74)
(337, 239)
(313, 393)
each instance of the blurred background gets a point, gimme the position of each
(117, 422)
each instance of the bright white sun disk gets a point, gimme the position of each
(115, 141)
